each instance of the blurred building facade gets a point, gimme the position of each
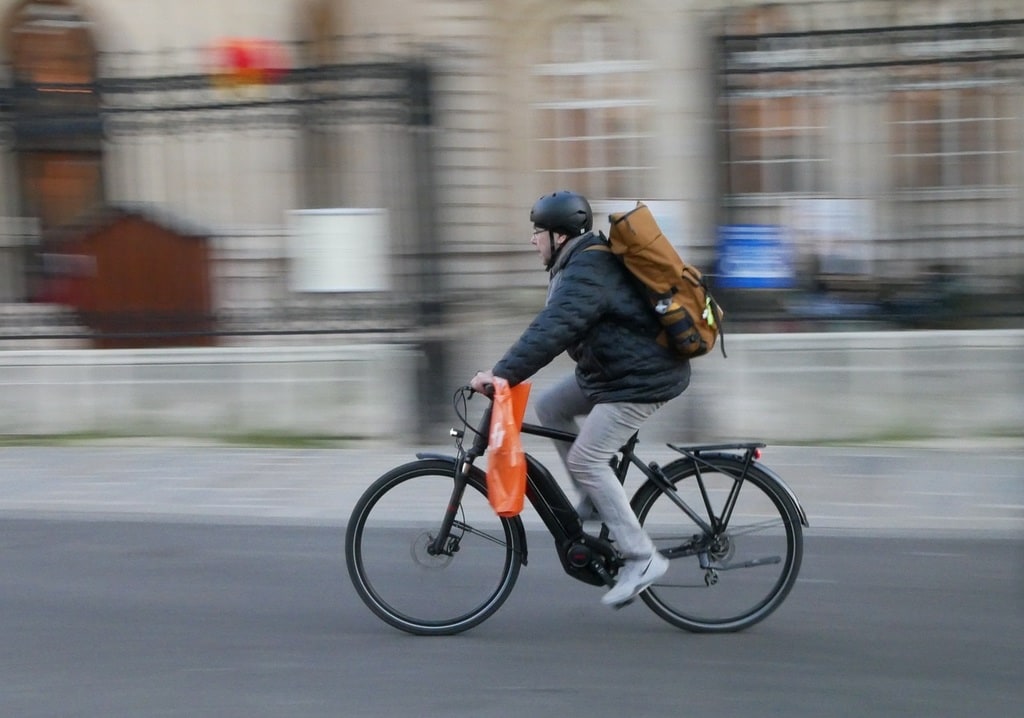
(856, 155)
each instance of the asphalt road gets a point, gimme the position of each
(142, 619)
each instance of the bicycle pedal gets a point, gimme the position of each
(623, 604)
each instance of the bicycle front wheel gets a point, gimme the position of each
(389, 549)
(736, 568)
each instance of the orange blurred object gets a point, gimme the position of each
(520, 395)
(248, 61)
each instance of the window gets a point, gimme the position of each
(593, 125)
(950, 137)
(57, 127)
(774, 124)
(775, 145)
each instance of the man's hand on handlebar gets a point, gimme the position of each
(483, 383)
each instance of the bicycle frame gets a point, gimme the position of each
(576, 548)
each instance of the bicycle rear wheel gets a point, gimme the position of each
(750, 563)
(401, 580)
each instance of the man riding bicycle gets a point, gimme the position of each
(598, 313)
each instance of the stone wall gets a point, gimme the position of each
(792, 388)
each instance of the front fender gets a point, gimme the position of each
(432, 455)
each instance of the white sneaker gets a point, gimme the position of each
(635, 576)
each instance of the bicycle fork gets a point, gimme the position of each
(445, 543)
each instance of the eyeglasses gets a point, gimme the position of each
(537, 231)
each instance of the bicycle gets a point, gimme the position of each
(428, 555)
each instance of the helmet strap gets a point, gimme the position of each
(551, 244)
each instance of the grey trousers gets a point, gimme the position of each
(606, 427)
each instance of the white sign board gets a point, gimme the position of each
(839, 231)
(339, 250)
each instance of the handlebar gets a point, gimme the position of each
(488, 390)
(480, 431)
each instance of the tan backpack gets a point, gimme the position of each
(689, 315)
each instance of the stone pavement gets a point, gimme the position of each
(974, 488)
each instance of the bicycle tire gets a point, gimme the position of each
(754, 562)
(386, 543)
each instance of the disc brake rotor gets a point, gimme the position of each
(422, 556)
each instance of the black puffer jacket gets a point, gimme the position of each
(597, 312)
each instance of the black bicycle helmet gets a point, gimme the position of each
(563, 212)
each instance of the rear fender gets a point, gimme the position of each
(788, 491)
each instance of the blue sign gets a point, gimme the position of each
(754, 256)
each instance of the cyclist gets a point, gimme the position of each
(597, 312)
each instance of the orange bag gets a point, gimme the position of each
(506, 462)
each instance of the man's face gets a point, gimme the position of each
(543, 244)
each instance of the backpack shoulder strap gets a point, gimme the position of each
(602, 247)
